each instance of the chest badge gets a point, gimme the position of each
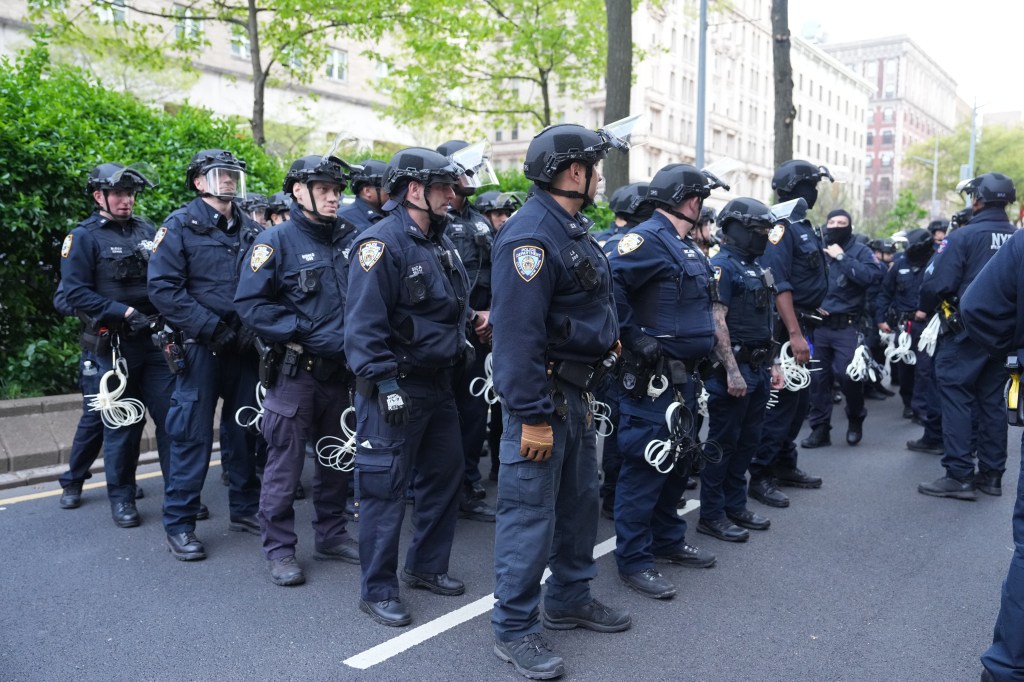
(261, 253)
(528, 261)
(776, 234)
(65, 249)
(370, 253)
(629, 243)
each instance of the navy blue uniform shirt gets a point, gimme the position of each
(103, 267)
(552, 301)
(193, 272)
(743, 290)
(663, 289)
(473, 238)
(962, 255)
(794, 256)
(359, 213)
(992, 307)
(407, 300)
(901, 288)
(850, 279)
(293, 285)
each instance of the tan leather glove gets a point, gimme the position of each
(536, 442)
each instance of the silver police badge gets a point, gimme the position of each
(370, 253)
(261, 253)
(528, 261)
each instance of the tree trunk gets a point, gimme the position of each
(259, 77)
(618, 83)
(785, 112)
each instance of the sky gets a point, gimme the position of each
(977, 43)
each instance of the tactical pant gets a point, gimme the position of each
(735, 425)
(1005, 658)
(88, 441)
(926, 402)
(206, 378)
(970, 383)
(150, 381)
(426, 451)
(472, 412)
(611, 458)
(300, 410)
(834, 348)
(547, 516)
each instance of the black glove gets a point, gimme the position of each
(137, 322)
(393, 402)
(649, 349)
(223, 337)
(246, 337)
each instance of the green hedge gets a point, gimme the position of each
(58, 123)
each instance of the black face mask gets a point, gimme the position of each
(749, 243)
(919, 254)
(837, 235)
(807, 192)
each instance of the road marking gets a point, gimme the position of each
(421, 633)
(88, 486)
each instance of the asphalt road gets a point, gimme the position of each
(864, 579)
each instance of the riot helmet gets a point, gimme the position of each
(278, 205)
(254, 201)
(746, 222)
(224, 174)
(369, 172)
(677, 182)
(108, 177)
(799, 179)
(626, 200)
(920, 247)
(422, 165)
(316, 169)
(990, 188)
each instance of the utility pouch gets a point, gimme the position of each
(170, 347)
(1014, 406)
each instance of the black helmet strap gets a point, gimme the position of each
(571, 194)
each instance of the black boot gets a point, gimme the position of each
(819, 437)
(854, 430)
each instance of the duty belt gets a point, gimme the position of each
(578, 374)
(415, 371)
(840, 320)
(324, 369)
(755, 356)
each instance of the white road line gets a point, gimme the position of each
(422, 633)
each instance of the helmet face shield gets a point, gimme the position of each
(135, 177)
(479, 171)
(225, 182)
(619, 134)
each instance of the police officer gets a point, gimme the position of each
(405, 328)
(365, 179)
(663, 294)
(292, 294)
(554, 325)
(704, 236)
(497, 207)
(991, 309)
(796, 262)
(627, 204)
(852, 271)
(471, 234)
(278, 207)
(744, 371)
(193, 276)
(256, 206)
(103, 266)
(938, 230)
(969, 377)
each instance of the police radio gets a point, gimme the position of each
(167, 341)
(1014, 406)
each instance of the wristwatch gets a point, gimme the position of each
(840, 256)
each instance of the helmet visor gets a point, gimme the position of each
(619, 134)
(474, 159)
(225, 182)
(792, 210)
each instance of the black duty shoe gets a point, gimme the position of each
(854, 430)
(608, 513)
(476, 510)
(245, 524)
(390, 612)
(795, 478)
(819, 437)
(438, 583)
(748, 519)
(185, 546)
(476, 491)
(691, 483)
(71, 497)
(921, 445)
(139, 492)
(764, 491)
(532, 657)
(723, 529)
(989, 482)
(593, 616)
(649, 583)
(347, 551)
(300, 492)
(203, 513)
(125, 514)
(908, 412)
(949, 487)
(224, 478)
(689, 556)
(286, 571)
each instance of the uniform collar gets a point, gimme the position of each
(322, 232)
(575, 226)
(202, 217)
(373, 213)
(401, 213)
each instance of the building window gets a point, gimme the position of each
(337, 64)
(871, 138)
(497, 135)
(515, 132)
(887, 137)
(111, 12)
(885, 184)
(869, 160)
(886, 159)
(240, 45)
(186, 28)
(888, 115)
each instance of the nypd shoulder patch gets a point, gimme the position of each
(261, 253)
(370, 253)
(65, 249)
(629, 243)
(776, 234)
(159, 237)
(528, 261)
(718, 273)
